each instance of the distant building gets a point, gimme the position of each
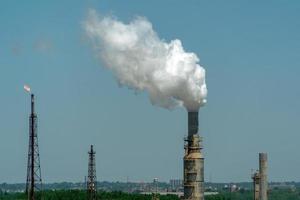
(176, 184)
(283, 186)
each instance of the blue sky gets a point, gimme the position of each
(250, 50)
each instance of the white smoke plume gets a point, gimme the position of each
(142, 61)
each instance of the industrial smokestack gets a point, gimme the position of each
(193, 161)
(263, 182)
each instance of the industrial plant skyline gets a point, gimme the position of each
(250, 54)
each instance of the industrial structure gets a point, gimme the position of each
(193, 178)
(92, 178)
(255, 178)
(263, 181)
(260, 179)
(155, 195)
(34, 180)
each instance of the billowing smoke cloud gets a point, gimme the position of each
(142, 61)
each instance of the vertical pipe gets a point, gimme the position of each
(263, 183)
(32, 104)
(193, 123)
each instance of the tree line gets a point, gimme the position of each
(278, 194)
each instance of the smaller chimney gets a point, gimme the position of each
(256, 178)
(263, 182)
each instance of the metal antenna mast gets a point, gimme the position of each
(92, 179)
(34, 179)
